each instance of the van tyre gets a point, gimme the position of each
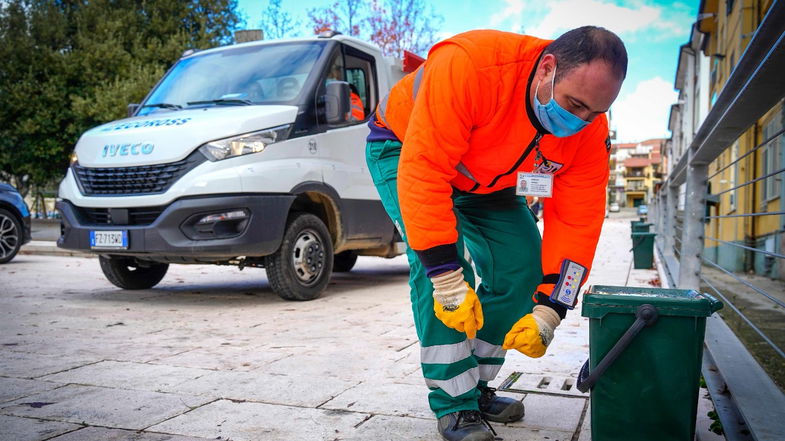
(301, 268)
(128, 273)
(10, 235)
(344, 262)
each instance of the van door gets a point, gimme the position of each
(343, 148)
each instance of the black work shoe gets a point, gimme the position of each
(466, 425)
(499, 409)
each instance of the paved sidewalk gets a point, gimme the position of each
(212, 353)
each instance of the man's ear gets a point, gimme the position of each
(546, 66)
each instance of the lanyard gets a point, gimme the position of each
(540, 159)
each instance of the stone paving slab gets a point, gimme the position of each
(350, 364)
(552, 412)
(27, 365)
(102, 406)
(30, 429)
(73, 348)
(295, 389)
(382, 427)
(257, 421)
(103, 434)
(223, 358)
(125, 375)
(585, 434)
(384, 398)
(513, 433)
(15, 388)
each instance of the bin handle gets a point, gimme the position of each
(716, 305)
(637, 243)
(645, 316)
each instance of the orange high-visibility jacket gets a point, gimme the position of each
(465, 121)
(358, 113)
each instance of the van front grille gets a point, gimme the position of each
(133, 181)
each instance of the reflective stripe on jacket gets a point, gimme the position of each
(358, 113)
(466, 122)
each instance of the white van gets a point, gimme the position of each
(244, 155)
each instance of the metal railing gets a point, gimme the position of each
(718, 248)
(726, 260)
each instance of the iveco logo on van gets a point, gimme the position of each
(111, 150)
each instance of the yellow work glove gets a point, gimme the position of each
(532, 334)
(456, 304)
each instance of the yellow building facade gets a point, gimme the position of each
(744, 182)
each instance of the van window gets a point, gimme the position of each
(258, 74)
(356, 77)
(360, 74)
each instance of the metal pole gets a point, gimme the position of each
(659, 211)
(692, 236)
(670, 207)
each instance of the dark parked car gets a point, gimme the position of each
(14, 222)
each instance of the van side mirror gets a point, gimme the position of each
(337, 102)
(132, 108)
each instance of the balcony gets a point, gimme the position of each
(631, 188)
(636, 175)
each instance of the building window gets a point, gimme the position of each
(772, 157)
(734, 171)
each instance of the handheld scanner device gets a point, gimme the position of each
(571, 278)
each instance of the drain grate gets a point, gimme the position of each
(542, 384)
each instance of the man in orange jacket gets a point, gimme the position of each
(490, 118)
(357, 111)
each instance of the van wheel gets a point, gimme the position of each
(300, 269)
(128, 273)
(10, 235)
(344, 262)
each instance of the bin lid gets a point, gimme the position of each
(641, 233)
(600, 300)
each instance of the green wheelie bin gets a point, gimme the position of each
(643, 250)
(645, 352)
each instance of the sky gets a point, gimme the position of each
(652, 31)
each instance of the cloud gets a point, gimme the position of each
(512, 14)
(554, 17)
(643, 114)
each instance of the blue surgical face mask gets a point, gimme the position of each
(554, 118)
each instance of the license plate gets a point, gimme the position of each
(109, 239)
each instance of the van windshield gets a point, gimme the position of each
(264, 74)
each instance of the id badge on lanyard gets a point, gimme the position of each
(535, 184)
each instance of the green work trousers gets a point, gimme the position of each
(500, 234)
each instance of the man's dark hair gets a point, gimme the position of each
(586, 44)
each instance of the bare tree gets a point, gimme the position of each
(398, 25)
(345, 16)
(277, 23)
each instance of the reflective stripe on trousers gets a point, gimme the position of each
(484, 350)
(459, 385)
(453, 353)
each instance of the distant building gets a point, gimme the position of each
(636, 172)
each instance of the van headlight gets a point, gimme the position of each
(244, 144)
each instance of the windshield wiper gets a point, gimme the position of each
(222, 101)
(164, 106)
